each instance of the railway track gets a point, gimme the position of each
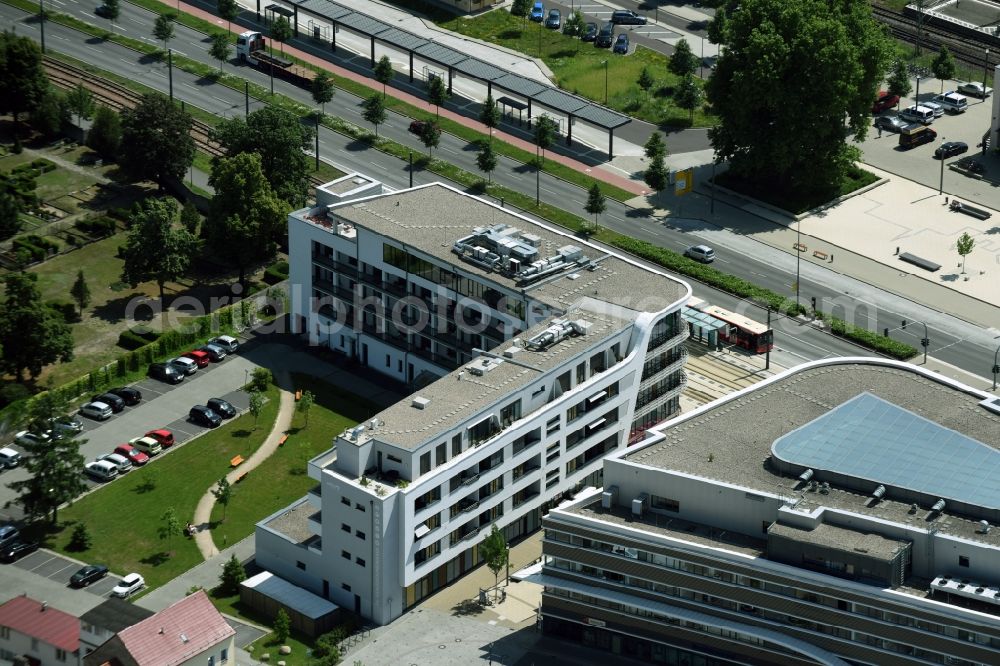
(118, 97)
(971, 52)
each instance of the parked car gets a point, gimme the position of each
(134, 455)
(128, 586)
(131, 396)
(227, 342)
(98, 411)
(589, 32)
(605, 36)
(111, 400)
(163, 436)
(165, 373)
(915, 135)
(417, 126)
(950, 149)
(221, 407)
(935, 108)
(121, 462)
(147, 445)
(101, 470)
(917, 113)
(621, 44)
(890, 123)
(215, 352)
(554, 20)
(200, 358)
(17, 550)
(26, 438)
(184, 365)
(204, 416)
(627, 17)
(103, 12)
(9, 458)
(66, 425)
(537, 12)
(952, 101)
(975, 89)
(87, 575)
(9, 534)
(702, 253)
(884, 102)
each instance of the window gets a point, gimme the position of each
(34, 644)
(359, 534)
(552, 426)
(345, 587)
(344, 554)
(344, 500)
(60, 654)
(510, 413)
(441, 456)
(224, 655)
(360, 507)
(581, 373)
(360, 561)
(425, 463)
(963, 561)
(664, 503)
(394, 459)
(5, 633)
(211, 660)
(388, 361)
(300, 565)
(345, 528)
(456, 445)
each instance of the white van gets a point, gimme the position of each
(101, 470)
(122, 463)
(952, 102)
(9, 458)
(917, 114)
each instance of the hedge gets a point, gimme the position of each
(131, 339)
(276, 272)
(99, 227)
(862, 336)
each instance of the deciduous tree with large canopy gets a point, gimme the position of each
(795, 81)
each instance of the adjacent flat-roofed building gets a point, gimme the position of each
(842, 512)
(537, 354)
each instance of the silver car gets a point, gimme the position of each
(96, 410)
(702, 253)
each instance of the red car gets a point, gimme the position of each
(163, 436)
(199, 357)
(136, 456)
(884, 102)
(417, 126)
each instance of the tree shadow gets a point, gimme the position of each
(640, 212)
(147, 485)
(156, 559)
(114, 310)
(242, 433)
(510, 34)
(358, 145)
(151, 58)
(467, 608)
(951, 277)
(208, 79)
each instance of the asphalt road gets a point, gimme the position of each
(952, 340)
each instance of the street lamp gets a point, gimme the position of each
(605, 63)
(798, 259)
(986, 64)
(925, 342)
(941, 181)
(996, 367)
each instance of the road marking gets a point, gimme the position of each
(50, 558)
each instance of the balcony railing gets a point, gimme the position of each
(526, 497)
(663, 338)
(333, 264)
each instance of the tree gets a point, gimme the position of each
(23, 83)
(245, 217)
(305, 404)
(689, 95)
(256, 406)
(80, 292)
(489, 115)
(574, 24)
(282, 626)
(322, 90)
(105, 136)
(233, 574)
(53, 465)
(943, 65)
(112, 10)
(964, 246)
(437, 93)
(223, 493)
(49, 338)
(898, 81)
(596, 202)
(163, 28)
(281, 31)
(154, 250)
(646, 80)
(374, 111)
(260, 379)
(10, 215)
(80, 540)
(718, 26)
(655, 146)
(430, 136)
(278, 137)
(228, 10)
(495, 552)
(171, 526)
(81, 103)
(51, 114)
(219, 48)
(156, 140)
(520, 7)
(384, 72)
(683, 61)
(545, 135)
(775, 49)
(190, 218)
(656, 175)
(486, 160)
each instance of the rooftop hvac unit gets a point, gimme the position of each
(806, 475)
(609, 497)
(639, 504)
(420, 402)
(984, 527)
(879, 492)
(938, 506)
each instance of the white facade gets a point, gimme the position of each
(15, 644)
(581, 362)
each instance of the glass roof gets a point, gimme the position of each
(870, 438)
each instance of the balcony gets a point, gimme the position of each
(468, 480)
(334, 265)
(316, 523)
(670, 390)
(524, 497)
(526, 468)
(333, 289)
(664, 338)
(466, 505)
(651, 370)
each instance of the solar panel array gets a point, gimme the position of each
(873, 439)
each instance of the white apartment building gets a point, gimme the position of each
(537, 353)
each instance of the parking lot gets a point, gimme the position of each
(58, 568)
(163, 406)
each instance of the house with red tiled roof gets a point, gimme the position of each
(37, 633)
(189, 632)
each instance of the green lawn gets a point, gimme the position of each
(124, 517)
(579, 67)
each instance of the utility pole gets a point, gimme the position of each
(411, 168)
(246, 97)
(767, 357)
(925, 342)
(317, 143)
(941, 180)
(41, 25)
(170, 71)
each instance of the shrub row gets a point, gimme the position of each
(862, 336)
(99, 227)
(35, 247)
(131, 338)
(276, 272)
